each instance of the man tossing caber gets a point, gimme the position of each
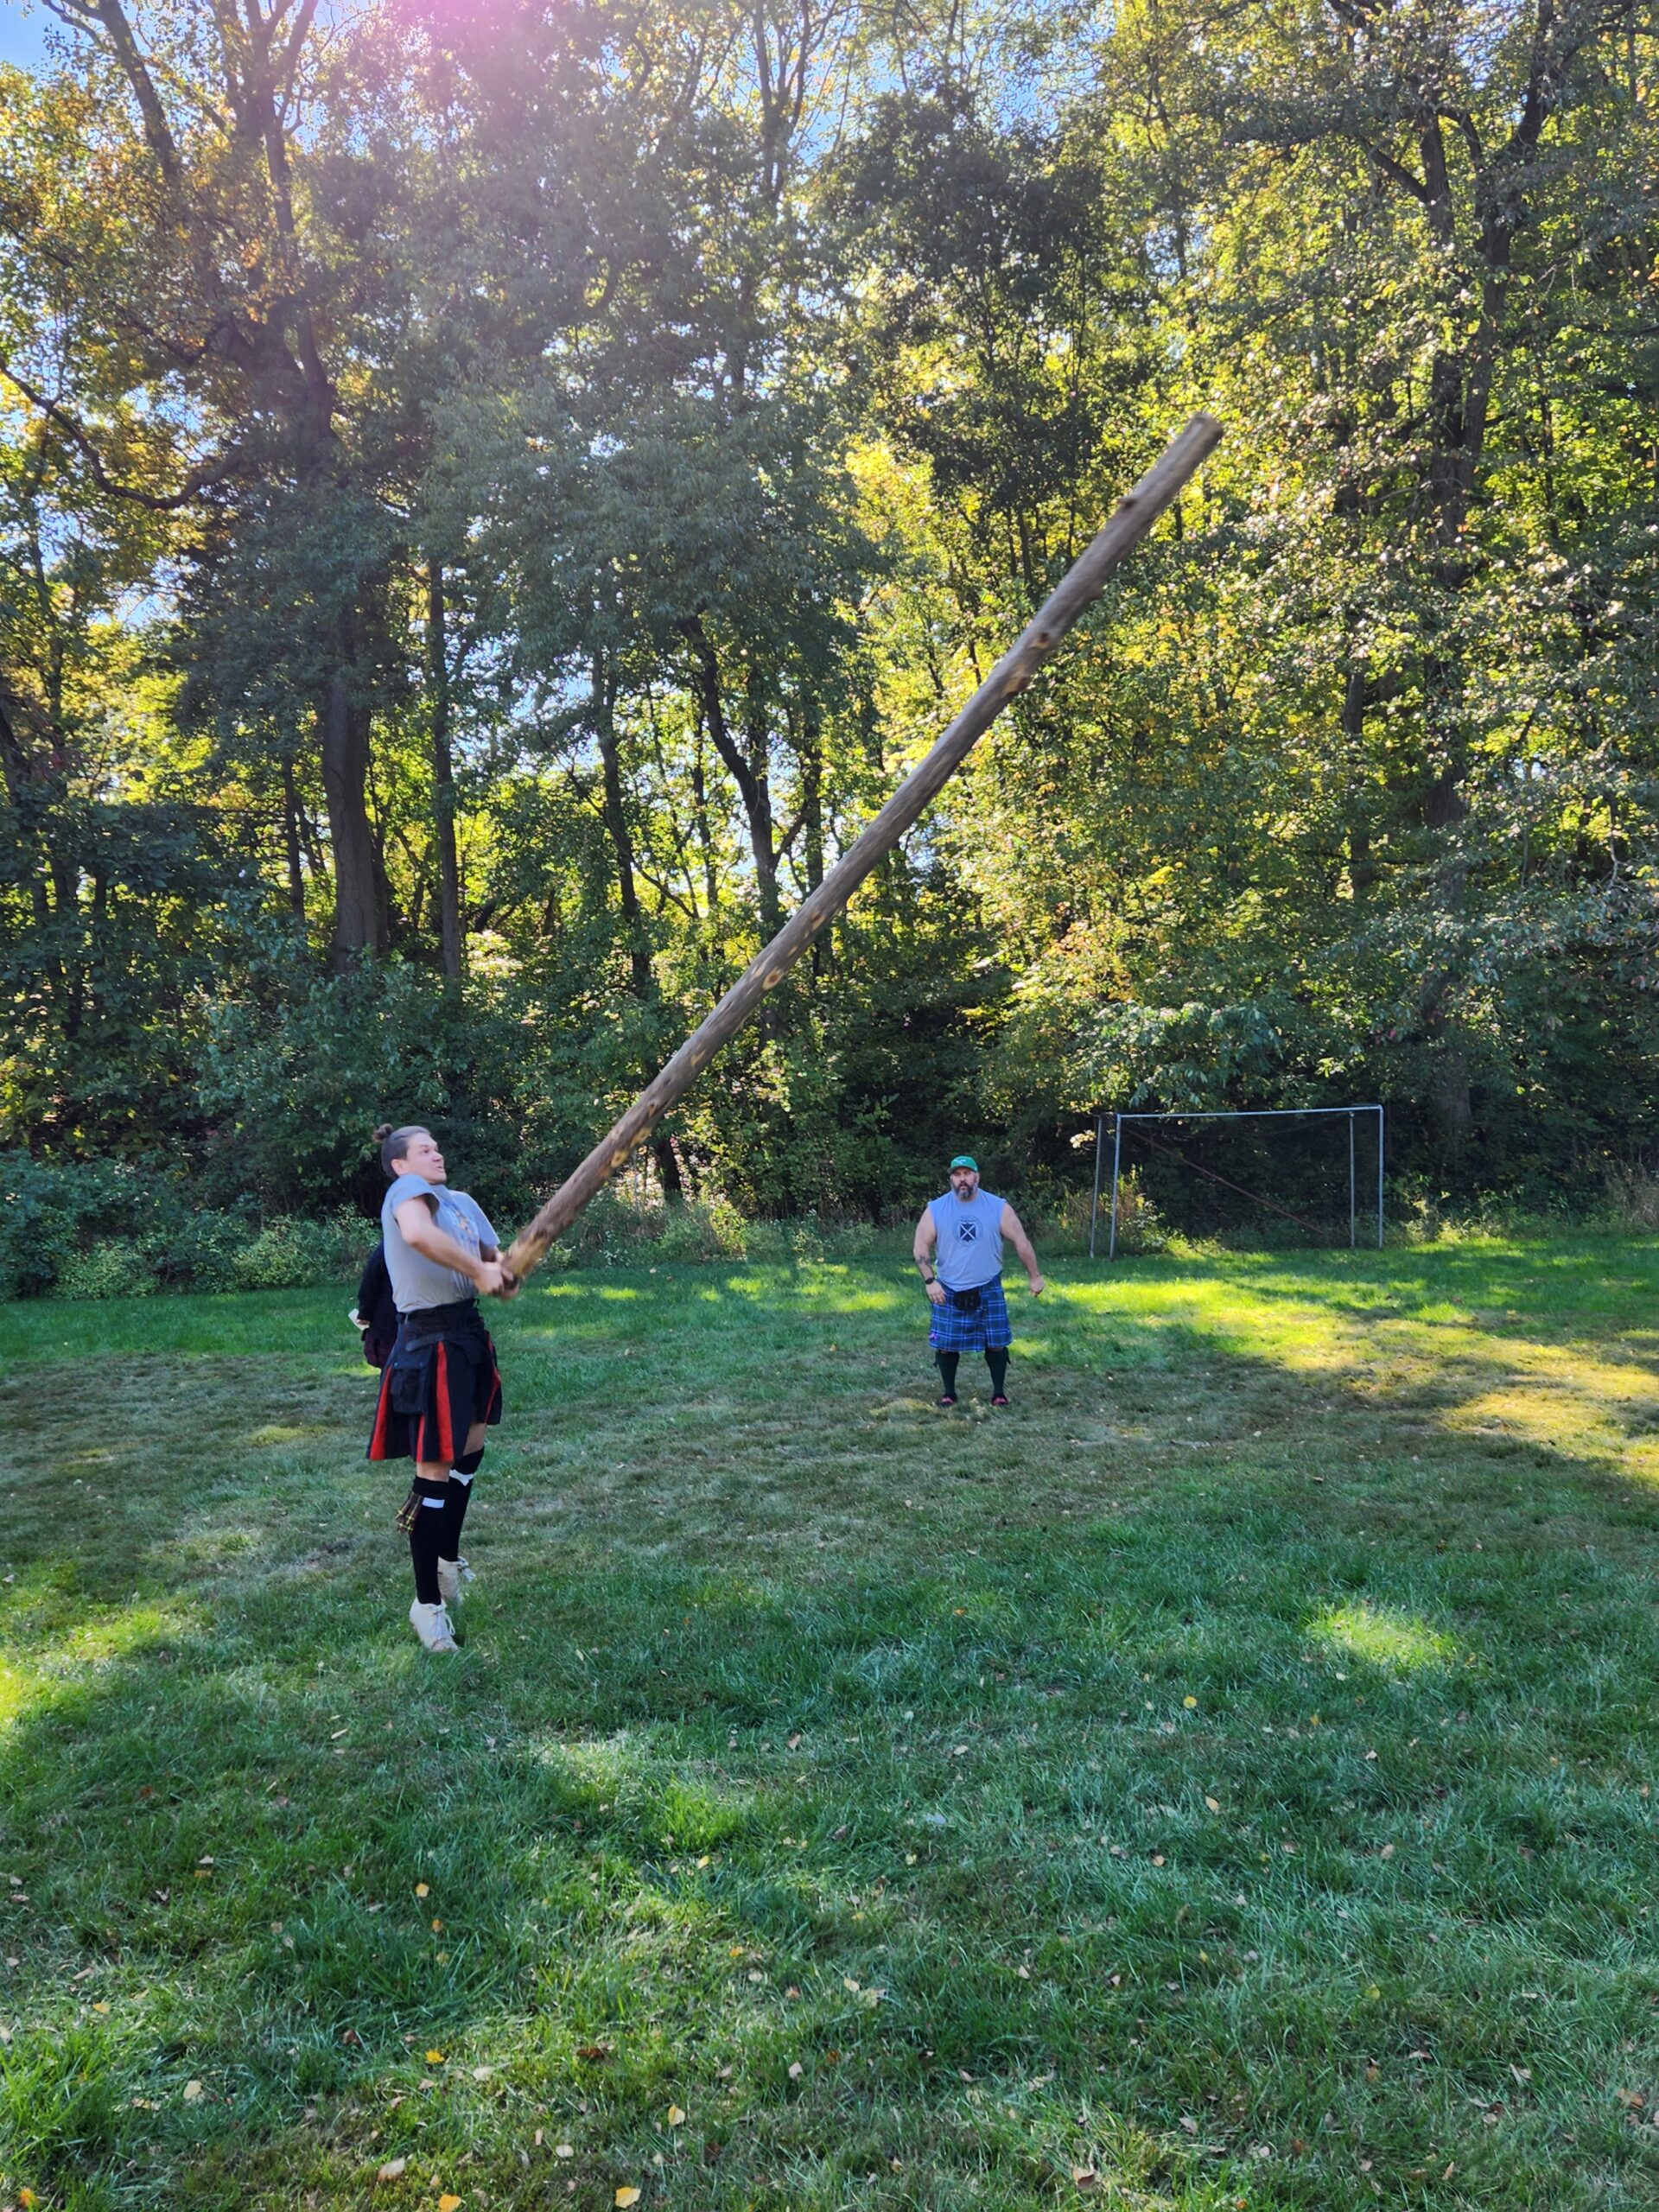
(441, 1391)
(958, 1249)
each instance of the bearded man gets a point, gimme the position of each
(958, 1251)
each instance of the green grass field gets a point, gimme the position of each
(1221, 1781)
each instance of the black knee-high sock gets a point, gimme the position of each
(457, 1496)
(996, 1358)
(426, 1537)
(946, 1363)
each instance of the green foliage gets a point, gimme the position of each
(200, 1251)
(435, 537)
(49, 1212)
(109, 1268)
(292, 1255)
(298, 1074)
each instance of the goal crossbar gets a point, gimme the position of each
(1242, 1113)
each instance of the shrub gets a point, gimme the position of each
(686, 1235)
(113, 1267)
(1633, 1200)
(289, 1253)
(1139, 1228)
(47, 1211)
(200, 1251)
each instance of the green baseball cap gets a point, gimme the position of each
(965, 1159)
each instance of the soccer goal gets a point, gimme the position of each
(1122, 1123)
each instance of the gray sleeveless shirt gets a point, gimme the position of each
(969, 1249)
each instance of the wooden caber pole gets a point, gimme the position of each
(1082, 583)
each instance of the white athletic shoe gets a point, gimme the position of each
(454, 1575)
(431, 1624)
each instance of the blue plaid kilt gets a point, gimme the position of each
(951, 1330)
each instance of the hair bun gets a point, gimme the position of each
(382, 1132)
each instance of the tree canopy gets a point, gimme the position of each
(493, 492)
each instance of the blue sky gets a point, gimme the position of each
(23, 32)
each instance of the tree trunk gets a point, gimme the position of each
(443, 776)
(757, 806)
(1362, 870)
(360, 903)
(705, 835)
(748, 774)
(616, 823)
(291, 844)
(811, 744)
(641, 981)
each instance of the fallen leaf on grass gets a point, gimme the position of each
(564, 2150)
(422, 1889)
(192, 2093)
(391, 2170)
(1212, 1804)
(627, 2196)
(1086, 2176)
(1632, 2099)
(795, 2070)
(594, 2053)
(675, 2116)
(448, 2204)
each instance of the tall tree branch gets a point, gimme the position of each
(161, 503)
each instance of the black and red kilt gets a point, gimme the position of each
(440, 1378)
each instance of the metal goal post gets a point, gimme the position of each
(1244, 1114)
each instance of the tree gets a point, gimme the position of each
(188, 302)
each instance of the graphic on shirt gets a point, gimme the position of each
(968, 1231)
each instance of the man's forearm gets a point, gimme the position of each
(437, 1245)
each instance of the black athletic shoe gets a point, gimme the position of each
(949, 1399)
(1000, 1398)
